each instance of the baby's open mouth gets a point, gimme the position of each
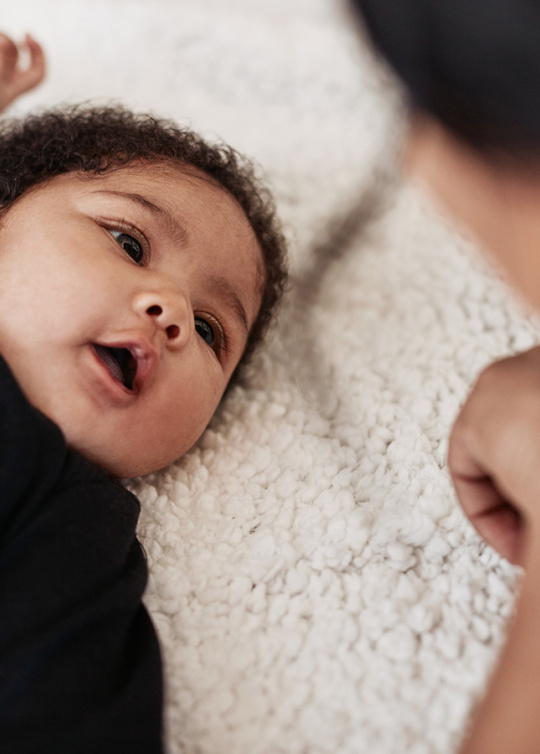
(120, 363)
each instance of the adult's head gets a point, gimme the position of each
(471, 72)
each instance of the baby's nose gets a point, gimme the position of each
(169, 311)
(172, 330)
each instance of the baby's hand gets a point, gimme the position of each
(494, 455)
(15, 80)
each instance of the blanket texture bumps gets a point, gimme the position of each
(315, 586)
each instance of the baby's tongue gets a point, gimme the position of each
(110, 362)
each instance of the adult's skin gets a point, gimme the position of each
(472, 72)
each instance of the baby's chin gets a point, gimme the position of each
(122, 465)
(122, 454)
(122, 457)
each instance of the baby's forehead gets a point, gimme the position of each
(147, 174)
(164, 180)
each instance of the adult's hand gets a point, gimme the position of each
(494, 455)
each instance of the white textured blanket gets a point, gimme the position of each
(314, 584)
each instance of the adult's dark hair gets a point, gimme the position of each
(94, 140)
(472, 64)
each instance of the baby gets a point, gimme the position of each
(140, 266)
(147, 273)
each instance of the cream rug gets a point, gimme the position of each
(315, 586)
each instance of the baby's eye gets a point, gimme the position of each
(205, 330)
(130, 245)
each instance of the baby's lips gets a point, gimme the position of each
(145, 355)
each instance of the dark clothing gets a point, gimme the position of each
(80, 670)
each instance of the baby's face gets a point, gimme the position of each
(125, 305)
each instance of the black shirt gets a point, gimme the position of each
(80, 669)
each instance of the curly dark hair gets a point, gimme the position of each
(95, 140)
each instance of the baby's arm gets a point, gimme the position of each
(15, 80)
(494, 460)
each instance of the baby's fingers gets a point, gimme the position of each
(9, 55)
(35, 73)
(15, 80)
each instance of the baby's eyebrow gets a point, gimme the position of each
(227, 293)
(175, 229)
